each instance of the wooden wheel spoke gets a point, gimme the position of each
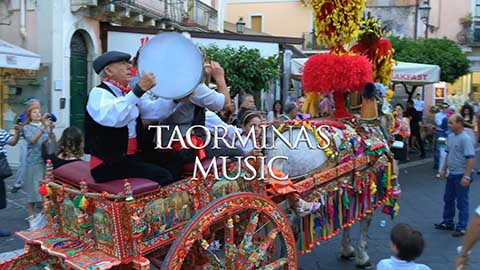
(212, 257)
(277, 264)
(259, 253)
(230, 247)
(246, 245)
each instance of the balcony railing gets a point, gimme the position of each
(469, 36)
(202, 14)
(190, 13)
(151, 7)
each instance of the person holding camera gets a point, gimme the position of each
(37, 130)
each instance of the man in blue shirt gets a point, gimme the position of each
(459, 162)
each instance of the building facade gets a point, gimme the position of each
(66, 34)
(277, 17)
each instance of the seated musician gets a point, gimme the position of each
(70, 147)
(184, 113)
(212, 122)
(250, 119)
(111, 119)
(253, 120)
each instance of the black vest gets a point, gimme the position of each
(106, 143)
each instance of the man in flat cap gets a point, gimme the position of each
(111, 122)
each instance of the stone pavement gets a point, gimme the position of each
(421, 205)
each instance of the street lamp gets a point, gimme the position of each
(240, 25)
(424, 10)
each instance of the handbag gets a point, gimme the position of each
(5, 170)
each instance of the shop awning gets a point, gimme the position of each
(12, 56)
(415, 74)
(297, 66)
(409, 73)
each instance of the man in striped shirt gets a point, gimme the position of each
(10, 139)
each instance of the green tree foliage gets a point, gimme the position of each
(245, 70)
(442, 52)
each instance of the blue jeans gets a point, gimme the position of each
(456, 192)
(436, 153)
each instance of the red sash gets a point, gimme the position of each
(131, 150)
(196, 141)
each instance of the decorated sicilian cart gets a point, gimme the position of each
(228, 221)
(213, 223)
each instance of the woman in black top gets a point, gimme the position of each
(70, 147)
(468, 114)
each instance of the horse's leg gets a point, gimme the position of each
(347, 251)
(361, 256)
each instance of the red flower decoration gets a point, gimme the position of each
(42, 190)
(326, 73)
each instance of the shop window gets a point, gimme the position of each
(17, 86)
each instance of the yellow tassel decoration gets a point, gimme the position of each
(49, 191)
(83, 203)
(373, 188)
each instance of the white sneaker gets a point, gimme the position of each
(36, 221)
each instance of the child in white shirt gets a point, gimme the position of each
(407, 245)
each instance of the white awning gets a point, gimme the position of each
(415, 74)
(410, 73)
(297, 66)
(12, 56)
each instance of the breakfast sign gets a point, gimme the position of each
(410, 73)
(416, 74)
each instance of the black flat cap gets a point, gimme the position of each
(109, 57)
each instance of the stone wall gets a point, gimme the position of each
(400, 20)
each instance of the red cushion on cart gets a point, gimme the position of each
(75, 172)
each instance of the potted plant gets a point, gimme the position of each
(467, 21)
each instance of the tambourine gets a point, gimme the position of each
(176, 63)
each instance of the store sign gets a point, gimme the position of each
(410, 77)
(11, 59)
(131, 42)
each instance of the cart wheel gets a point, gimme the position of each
(245, 230)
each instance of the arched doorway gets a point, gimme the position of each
(78, 79)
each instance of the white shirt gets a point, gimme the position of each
(476, 107)
(439, 118)
(419, 105)
(157, 108)
(248, 146)
(212, 120)
(396, 264)
(114, 110)
(478, 210)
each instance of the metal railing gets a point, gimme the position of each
(202, 14)
(152, 7)
(183, 12)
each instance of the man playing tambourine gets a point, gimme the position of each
(111, 120)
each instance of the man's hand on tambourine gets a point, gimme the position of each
(217, 71)
(147, 81)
